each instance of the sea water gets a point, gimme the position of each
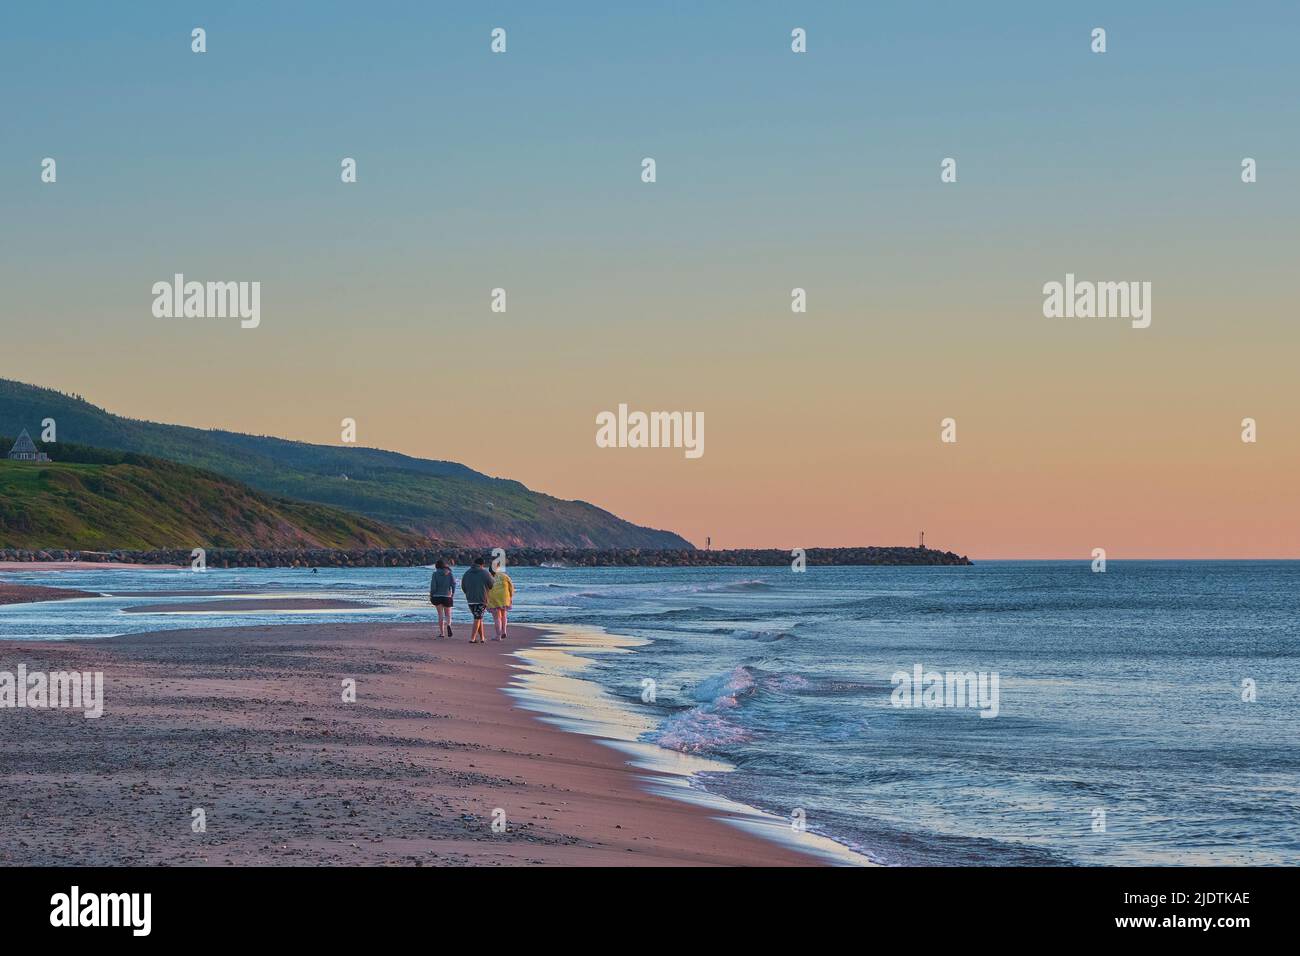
(1146, 715)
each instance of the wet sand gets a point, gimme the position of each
(249, 725)
(83, 566)
(32, 593)
(252, 604)
(158, 594)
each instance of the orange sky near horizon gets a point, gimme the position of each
(1051, 460)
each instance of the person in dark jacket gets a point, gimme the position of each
(476, 584)
(441, 590)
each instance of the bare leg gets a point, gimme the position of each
(505, 623)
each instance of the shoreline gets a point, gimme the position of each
(248, 724)
(554, 685)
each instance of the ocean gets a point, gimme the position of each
(1145, 715)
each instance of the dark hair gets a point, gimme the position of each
(478, 562)
(440, 564)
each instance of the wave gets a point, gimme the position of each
(746, 634)
(765, 637)
(659, 589)
(786, 683)
(699, 730)
(710, 726)
(724, 587)
(715, 724)
(703, 612)
(752, 585)
(854, 688)
(726, 690)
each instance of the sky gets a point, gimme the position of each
(775, 170)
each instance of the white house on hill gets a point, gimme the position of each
(25, 450)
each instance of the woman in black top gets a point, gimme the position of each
(441, 589)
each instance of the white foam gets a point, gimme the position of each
(549, 682)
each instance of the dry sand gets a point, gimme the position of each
(249, 725)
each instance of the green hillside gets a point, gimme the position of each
(101, 500)
(440, 499)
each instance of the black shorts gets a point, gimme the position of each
(477, 611)
(440, 601)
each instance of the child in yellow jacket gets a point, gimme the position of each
(499, 601)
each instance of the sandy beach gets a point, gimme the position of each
(33, 593)
(249, 725)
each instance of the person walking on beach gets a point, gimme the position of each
(441, 590)
(475, 585)
(499, 601)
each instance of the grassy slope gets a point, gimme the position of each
(148, 503)
(437, 498)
